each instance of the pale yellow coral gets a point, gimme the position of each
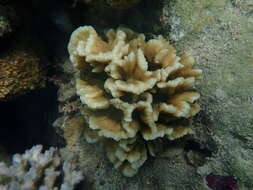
(109, 125)
(179, 131)
(181, 105)
(132, 89)
(127, 155)
(132, 74)
(91, 95)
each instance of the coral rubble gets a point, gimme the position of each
(132, 91)
(35, 170)
(20, 72)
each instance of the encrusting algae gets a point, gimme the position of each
(133, 91)
(19, 73)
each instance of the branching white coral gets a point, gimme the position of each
(132, 89)
(35, 170)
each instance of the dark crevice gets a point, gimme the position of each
(128, 97)
(195, 154)
(196, 146)
(27, 121)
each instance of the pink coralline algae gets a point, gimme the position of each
(217, 182)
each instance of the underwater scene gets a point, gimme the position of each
(126, 95)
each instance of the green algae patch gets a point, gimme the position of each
(196, 14)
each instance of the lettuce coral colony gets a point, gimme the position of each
(133, 91)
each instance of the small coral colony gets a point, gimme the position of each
(132, 91)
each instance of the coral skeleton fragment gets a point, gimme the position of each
(133, 91)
